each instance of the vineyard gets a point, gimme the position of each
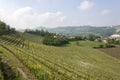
(69, 62)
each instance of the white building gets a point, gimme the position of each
(115, 36)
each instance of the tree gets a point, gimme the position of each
(55, 41)
(38, 32)
(5, 29)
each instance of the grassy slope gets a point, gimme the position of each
(87, 43)
(15, 64)
(1, 75)
(32, 37)
(85, 59)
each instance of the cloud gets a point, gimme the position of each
(86, 4)
(27, 18)
(105, 12)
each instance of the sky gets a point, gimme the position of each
(23, 14)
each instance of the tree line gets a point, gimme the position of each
(49, 38)
(38, 32)
(5, 29)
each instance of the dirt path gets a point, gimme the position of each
(22, 69)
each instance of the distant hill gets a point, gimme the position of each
(84, 30)
(117, 28)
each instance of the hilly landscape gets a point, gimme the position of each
(59, 39)
(24, 56)
(86, 30)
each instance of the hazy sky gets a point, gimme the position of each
(52, 13)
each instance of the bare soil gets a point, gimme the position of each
(114, 52)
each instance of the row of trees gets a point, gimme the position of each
(49, 38)
(5, 29)
(38, 32)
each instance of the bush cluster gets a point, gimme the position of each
(106, 46)
(5, 29)
(55, 41)
(38, 32)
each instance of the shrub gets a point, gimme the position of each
(109, 45)
(101, 46)
(55, 41)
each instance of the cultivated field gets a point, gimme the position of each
(115, 52)
(70, 62)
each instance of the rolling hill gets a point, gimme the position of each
(82, 30)
(54, 63)
(23, 56)
(117, 28)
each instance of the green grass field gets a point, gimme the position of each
(87, 43)
(70, 62)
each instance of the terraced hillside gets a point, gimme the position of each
(70, 62)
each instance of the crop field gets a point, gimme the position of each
(70, 62)
(115, 52)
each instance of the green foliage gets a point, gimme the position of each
(79, 38)
(91, 44)
(1, 52)
(101, 46)
(114, 41)
(77, 43)
(92, 37)
(107, 45)
(55, 41)
(1, 75)
(38, 32)
(69, 62)
(5, 29)
(32, 37)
